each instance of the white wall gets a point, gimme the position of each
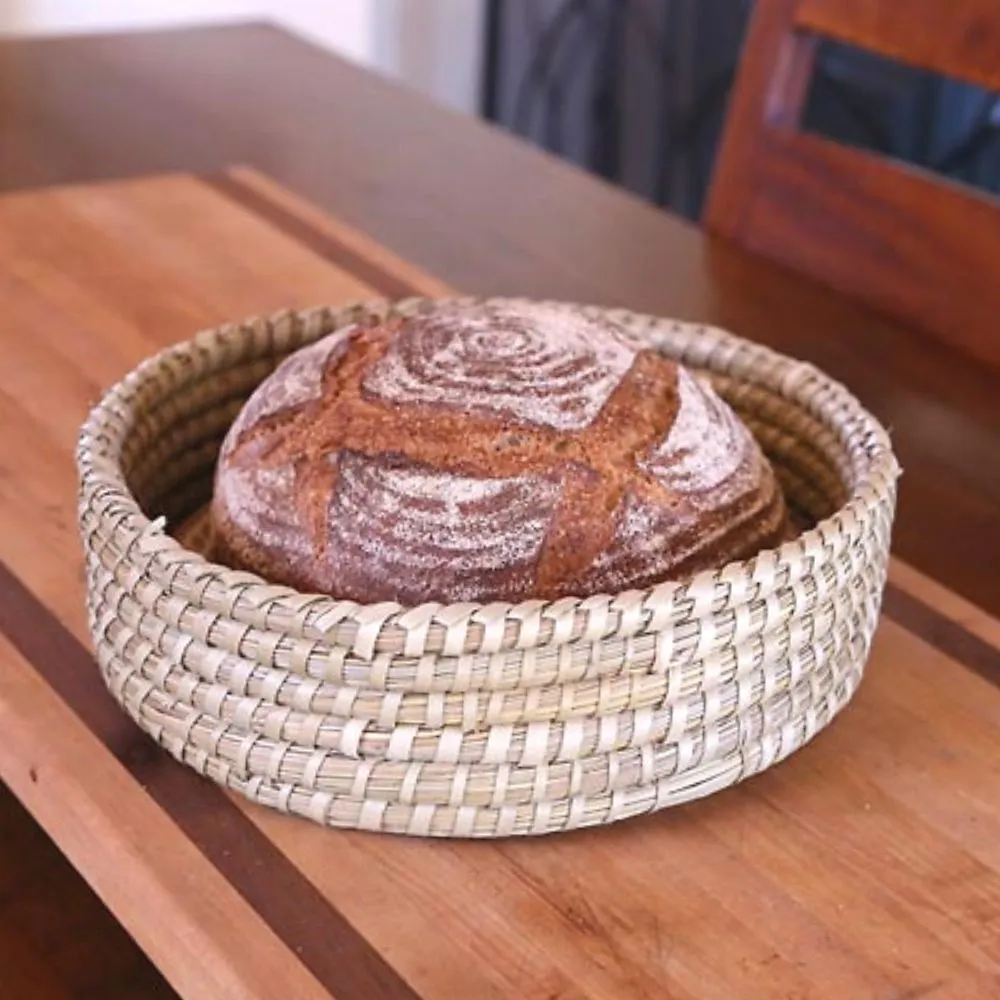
(346, 26)
(433, 45)
(52, 16)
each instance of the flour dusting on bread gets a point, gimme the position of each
(547, 365)
(262, 501)
(645, 543)
(707, 450)
(440, 533)
(296, 381)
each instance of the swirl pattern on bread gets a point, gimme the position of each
(554, 368)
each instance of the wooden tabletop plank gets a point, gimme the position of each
(186, 916)
(49, 916)
(866, 865)
(929, 592)
(23, 973)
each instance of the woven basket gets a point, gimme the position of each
(476, 720)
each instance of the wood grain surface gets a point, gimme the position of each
(918, 245)
(23, 973)
(492, 216)
(56, 940)
(866, 865)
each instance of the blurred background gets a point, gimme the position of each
(632, 90)
(433, 45)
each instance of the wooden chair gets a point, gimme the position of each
(905, 240)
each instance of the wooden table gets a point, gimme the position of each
(864, 867)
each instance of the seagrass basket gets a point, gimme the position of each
(474, 720)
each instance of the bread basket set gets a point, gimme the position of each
(477, 719)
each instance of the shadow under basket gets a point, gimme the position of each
(471, 720)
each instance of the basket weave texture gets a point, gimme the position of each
(477, 720)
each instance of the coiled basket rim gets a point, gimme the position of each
(367, 630)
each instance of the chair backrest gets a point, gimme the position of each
(906, 240)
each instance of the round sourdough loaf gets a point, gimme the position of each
(488, 451)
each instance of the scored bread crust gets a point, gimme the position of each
(481, 452)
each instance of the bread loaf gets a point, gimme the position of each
(481, 452)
